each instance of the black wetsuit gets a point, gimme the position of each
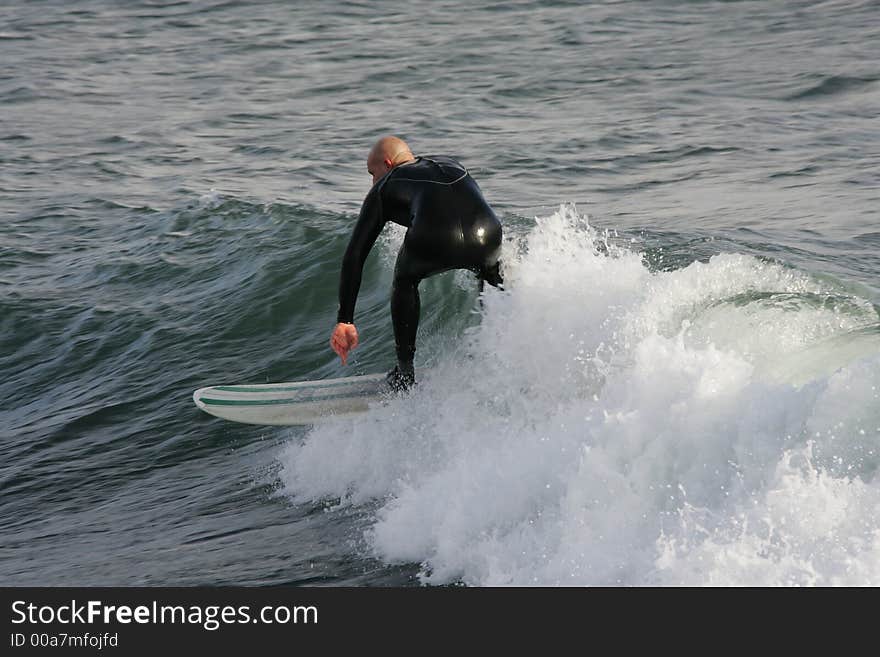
(450, 226)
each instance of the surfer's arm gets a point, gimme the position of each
(366, 231)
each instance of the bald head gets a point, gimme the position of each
(386, 154)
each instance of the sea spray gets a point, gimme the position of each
(609, 424)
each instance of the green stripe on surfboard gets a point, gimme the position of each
(284, 400)
(309, 386)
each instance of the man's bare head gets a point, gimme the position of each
(386, 154)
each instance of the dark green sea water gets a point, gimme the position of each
(178, 181)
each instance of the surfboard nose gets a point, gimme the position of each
(294, 403)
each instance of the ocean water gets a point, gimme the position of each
(678, 386)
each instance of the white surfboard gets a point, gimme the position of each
(302, 402)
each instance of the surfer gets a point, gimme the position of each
(449, 226)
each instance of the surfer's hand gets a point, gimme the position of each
(343, 340)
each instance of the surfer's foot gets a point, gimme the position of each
(401, 379)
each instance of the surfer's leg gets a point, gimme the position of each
(406, 308)
(492, 275)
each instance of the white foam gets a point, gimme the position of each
(605, 424)
(210, 200)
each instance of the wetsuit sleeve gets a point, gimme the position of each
(367, 229)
